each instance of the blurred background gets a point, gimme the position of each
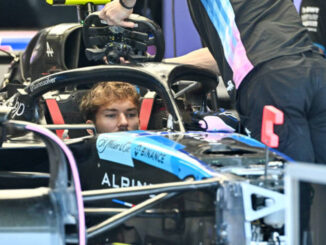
(33, 15)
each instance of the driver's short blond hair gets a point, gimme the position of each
(105, 93)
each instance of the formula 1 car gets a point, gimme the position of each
(178, 180)
(213, 186)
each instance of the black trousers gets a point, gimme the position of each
(295, 84)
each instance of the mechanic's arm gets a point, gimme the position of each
(200, 57)
(115, 12)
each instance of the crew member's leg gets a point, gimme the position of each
(290, 84)
(283, 83)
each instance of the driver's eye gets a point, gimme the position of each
(132, 115)
(111, 116)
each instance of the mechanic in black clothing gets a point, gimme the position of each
(313, 16)
(266, 57)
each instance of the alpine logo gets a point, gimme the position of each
(248, 132)
(116, 181)
(49, 50)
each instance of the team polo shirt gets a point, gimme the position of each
(241, 34)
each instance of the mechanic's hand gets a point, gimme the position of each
(115, 14)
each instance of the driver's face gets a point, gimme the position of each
(117, 116)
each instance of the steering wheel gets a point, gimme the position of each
(143, 43)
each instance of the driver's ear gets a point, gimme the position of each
(90, 131)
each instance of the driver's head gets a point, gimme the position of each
(112, 107)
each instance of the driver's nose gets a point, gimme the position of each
(122, 120)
